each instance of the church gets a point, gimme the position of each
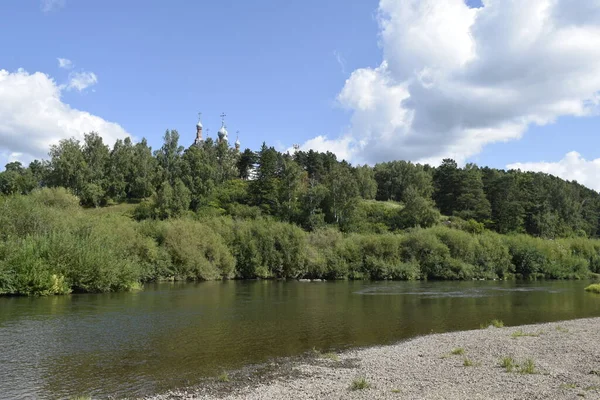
(221, 134)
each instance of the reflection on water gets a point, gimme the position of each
(171, 335)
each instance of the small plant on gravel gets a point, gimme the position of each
(594, 288)
(395, 390)
(508, 363)
(590, 388)
(520, 333)
(459, 351)
(568, 386)
(562, 329)
(81, 398)
(468, 363)
(331, 356)
(496, 323)
(224, 377)
(360, 383)
(528, 367)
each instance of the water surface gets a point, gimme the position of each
(172, 335)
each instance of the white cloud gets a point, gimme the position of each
(65, 63)
(81, 80)
(33, 117)
(49, 5)
(454, 78)
(572, 167)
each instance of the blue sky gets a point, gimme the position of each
(271, 66)
(367, 79)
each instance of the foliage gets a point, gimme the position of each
(360, 383)
(211, 212)
(594, 288)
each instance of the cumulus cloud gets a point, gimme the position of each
(572, 167)
(454, 79)
(49, 5)
(33, 117)
(65, 63)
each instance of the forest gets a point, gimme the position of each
(92, 218)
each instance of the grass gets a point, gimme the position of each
(562, 329)
(496, 323)
(508, 363)
(594, 288)
(468, 363)
(528, 367)
(81, 398)
(224, 377)
(331, 356)
(459, 351)
(568, 386)
(360, 383)
(520, 333)
(395, 390)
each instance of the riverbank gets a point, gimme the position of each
(545, 361)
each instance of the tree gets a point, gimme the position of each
(67, 166)
(245, 164)
(365, 180)
(264, 188)
(471, 202)
(291, 186)
(446, 181)
(417, 211)
(169, 157)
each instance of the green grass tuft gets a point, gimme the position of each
(508, 363)
(520, 333)
(331, 356)
(459, 351)
(395, 390)
(468, 363)
(224, 377)
(528, 367)
(562, 329)
(496, 323)
(568, 386)
(360, 383)
(594, 288)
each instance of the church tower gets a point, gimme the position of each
(199, 139)
(222, 133)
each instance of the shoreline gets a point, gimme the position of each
(564, 358)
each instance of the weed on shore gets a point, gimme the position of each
(528, 367)
(224, 377)
(594, 288)
(459, 351)
(508, 363)
(568, 386)
(562, 329)
(496, 323)
(520, 333)
(360, 383)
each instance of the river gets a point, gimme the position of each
(172, 335)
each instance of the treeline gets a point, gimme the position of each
(309, 189)
(49, 244)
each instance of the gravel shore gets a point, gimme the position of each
(565, 355)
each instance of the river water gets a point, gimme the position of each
(172, 335)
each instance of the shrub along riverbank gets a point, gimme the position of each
(50, 245)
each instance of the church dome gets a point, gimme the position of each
(222, 132)
(199, 125)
